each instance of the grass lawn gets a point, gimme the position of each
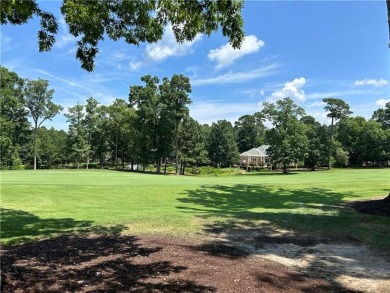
(50, 202)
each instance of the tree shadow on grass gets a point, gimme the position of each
(110, 263)
(18, 226)
(291, 224)
(268, 173)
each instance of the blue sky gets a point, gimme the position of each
(307, 50)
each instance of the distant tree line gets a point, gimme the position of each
(153, 127)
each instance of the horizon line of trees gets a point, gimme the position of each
(154, 127)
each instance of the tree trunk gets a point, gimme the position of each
(285, 169)
(176, 147)
(116, 150)
(101, 161)
(158, 167)
(183, 170)
(165, 166)
(330, 144)
(35, 145)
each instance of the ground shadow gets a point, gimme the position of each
(291, 224)
(18, 226)
(268, 173)
(109, 263)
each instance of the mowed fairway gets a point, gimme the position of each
(51, 202)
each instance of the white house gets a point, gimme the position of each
(256, 157)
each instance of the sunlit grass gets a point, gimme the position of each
(44, 203)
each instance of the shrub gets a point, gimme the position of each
(208, 170)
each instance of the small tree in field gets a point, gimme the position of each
(38, 98)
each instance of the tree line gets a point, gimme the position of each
(153, 127)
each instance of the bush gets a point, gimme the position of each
(208, 170)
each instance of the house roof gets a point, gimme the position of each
(261, 151)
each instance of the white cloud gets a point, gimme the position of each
(134, 65)
(208, 112)
(316, 104)
(292, 89)
(320, 116)
(64, 38)
(236, 77)
(168, 46)
(381, 102)
(226, 54)
(341, 94)
(374, 82)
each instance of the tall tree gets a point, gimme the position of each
(78, 134)
(192, 145)
(134, 21)
(365, 141)
(15, 127)
(287, 137)
(349, 129)
(38, 100)
(222, 145)
(51, 147)
(146, 99)
(90, 123)
(337, 109)
(160, 108)
(317, 142)
(101, 135)
(174, 94)
(250, 131)
(121, 118)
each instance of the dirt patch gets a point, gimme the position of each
(343, 265)
(349, 266)
(147, 264)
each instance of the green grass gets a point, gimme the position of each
(46, 203)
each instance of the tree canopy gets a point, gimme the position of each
(287, 138)
(154, 128)
(134, 21)
(336, 109)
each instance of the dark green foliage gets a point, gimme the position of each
(15, 127)
(78, 135)
(51, 148)
(160, 108)
(192, 143)
(122, 132)
(382, 116)
(288, 136)
(222, 144)
(365, 141)
(317, 147)
(250, 132)
(337, 109)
